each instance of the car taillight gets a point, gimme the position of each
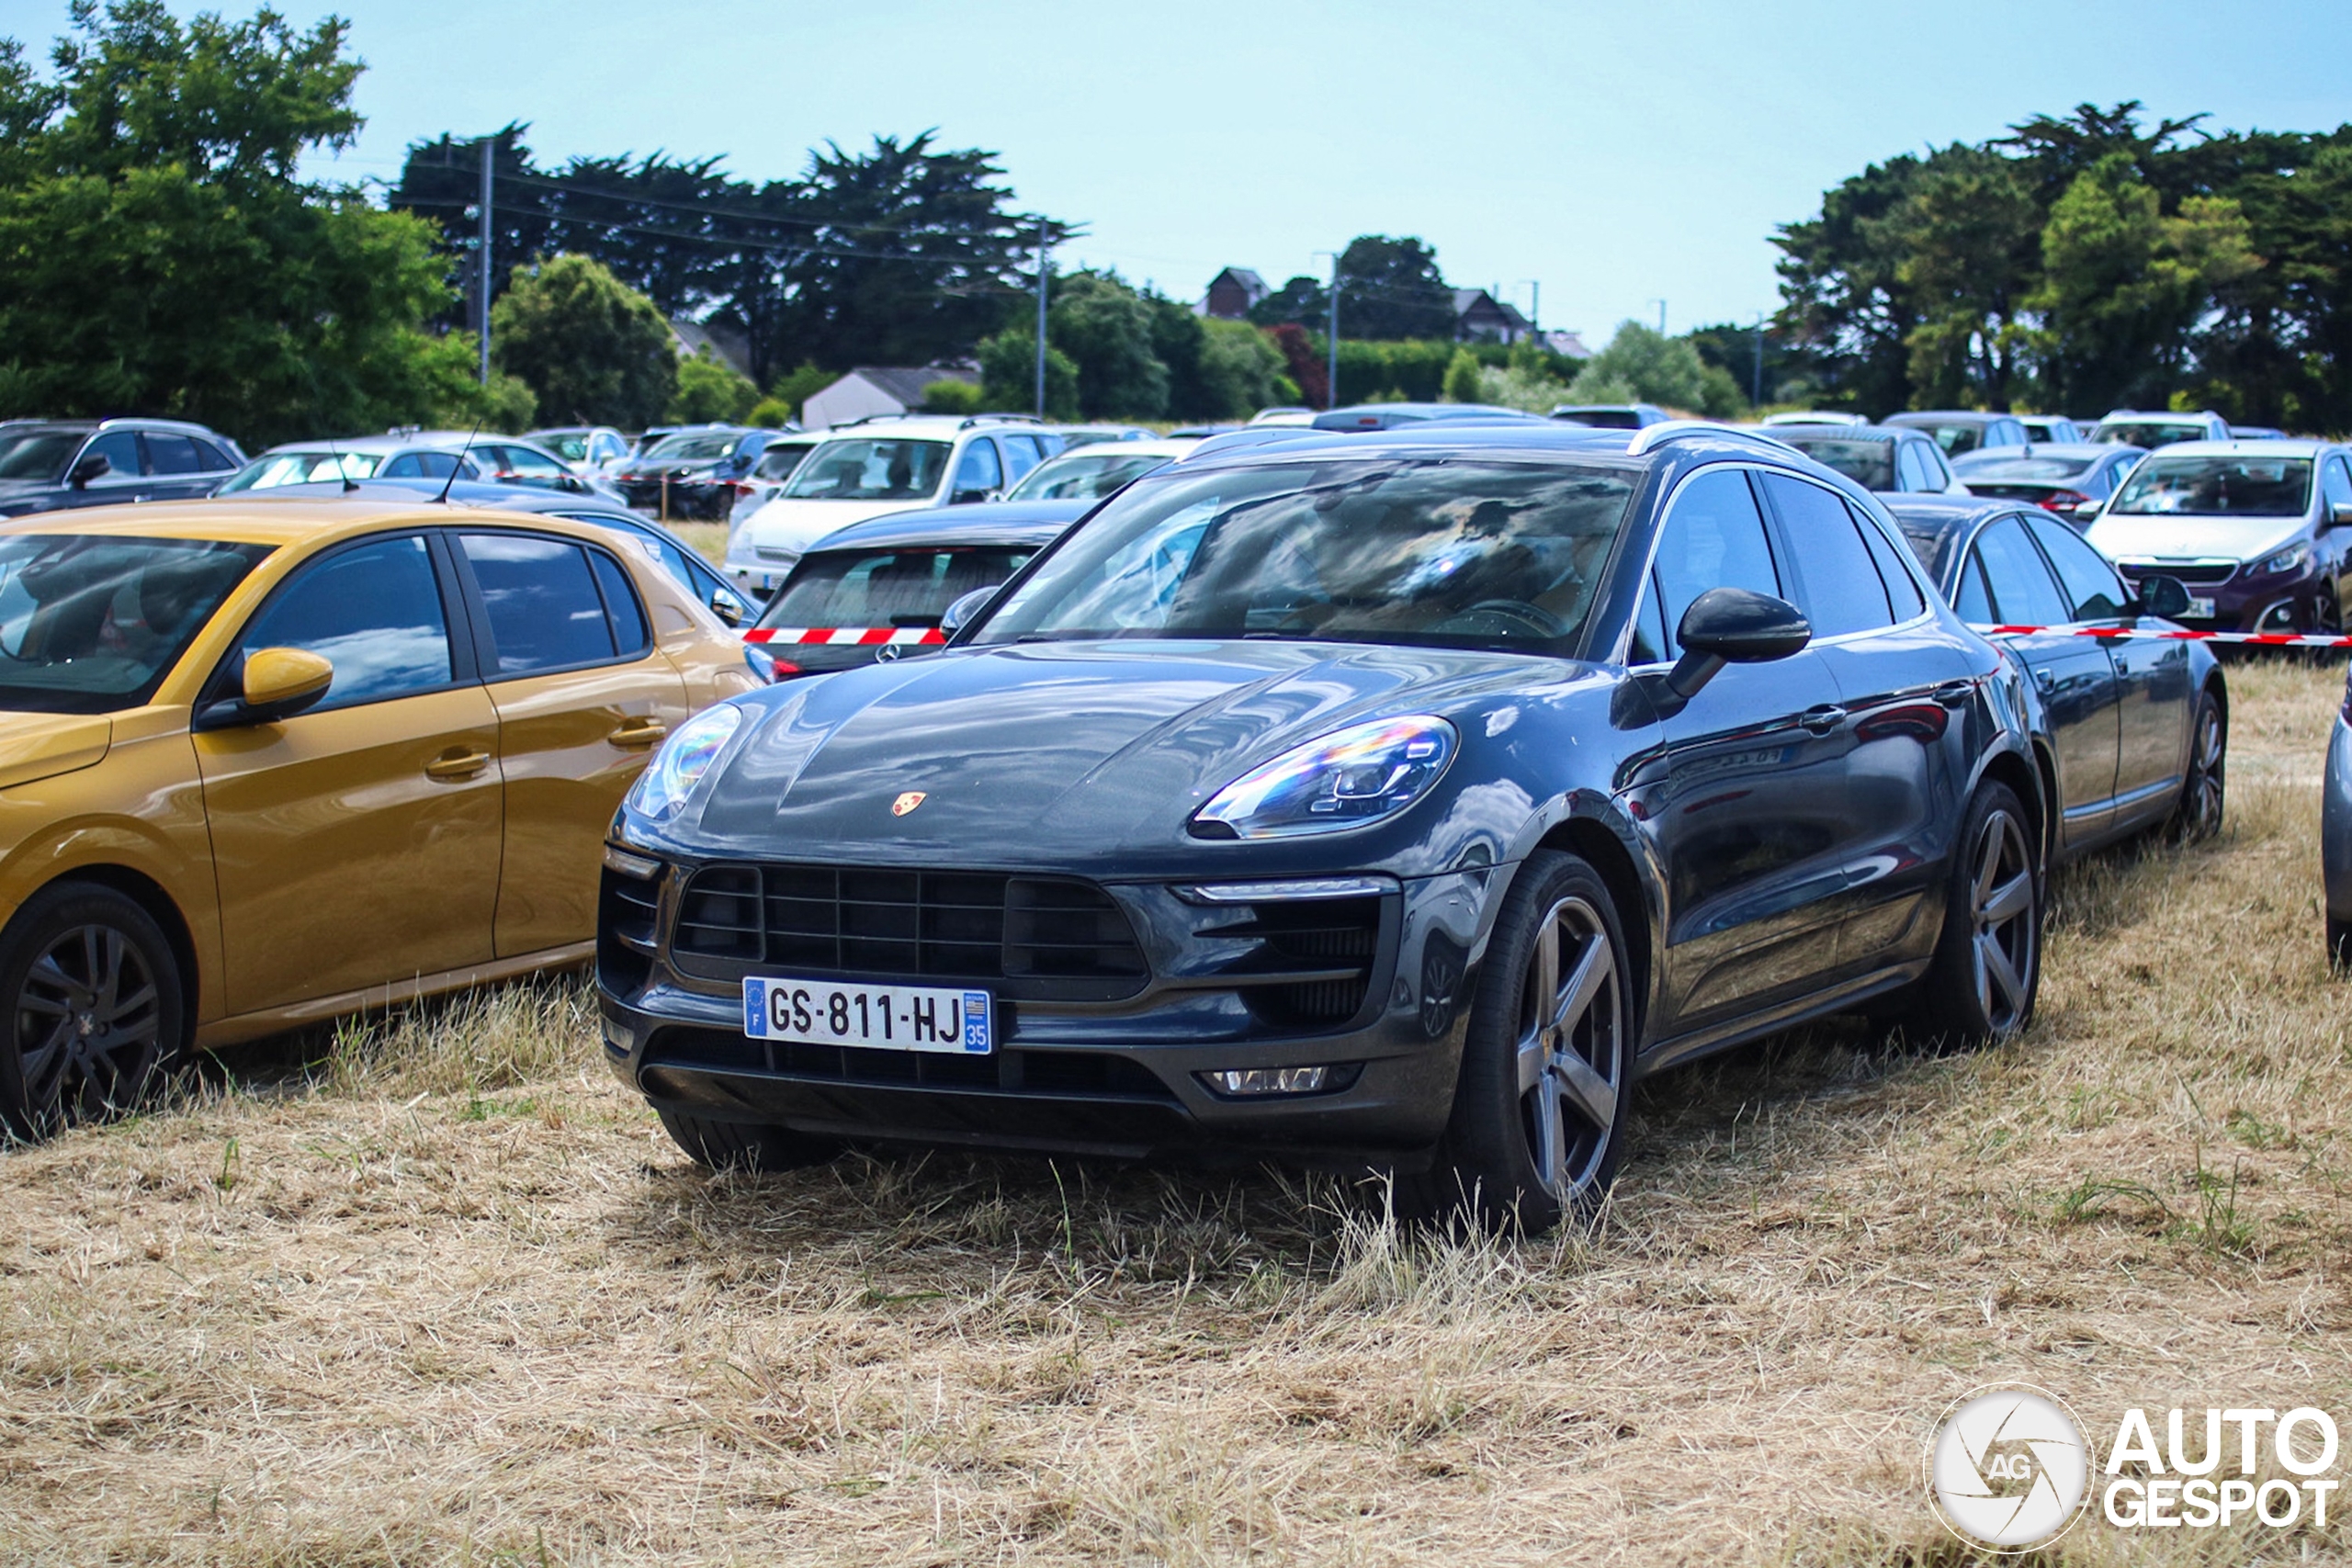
(2064, 500)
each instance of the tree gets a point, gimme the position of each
(1462, 378)
(1392, 288)
(1009, 376)
(1303, 353)
(711, 392)
(1642, 364)
(1241, 371)
(159, 255)
(1967, 234)
(1302, 301)
(592, 349)
(1106, 330)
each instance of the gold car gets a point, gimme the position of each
(265, 763)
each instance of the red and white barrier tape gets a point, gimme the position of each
(2177, 634)
(845, 636)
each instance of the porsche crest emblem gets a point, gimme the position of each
(905, 803)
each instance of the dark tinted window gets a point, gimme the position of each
(121, 449)
(887, 587)
(626, 616)
(778, 459)
(545, 611)
(1974, 601)
(1649, 646)
(1714, 539)
(1839, 582)
(1867, 463)
(1902, 594)
(37, 453)
(89, 624)
(421, 466)
(211, 459)
(373, 612)
(171, 455)
(2023, 592)
(2091, 585)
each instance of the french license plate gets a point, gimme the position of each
(2200, 609)
(887, 1017)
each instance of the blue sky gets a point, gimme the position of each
(1620, 154)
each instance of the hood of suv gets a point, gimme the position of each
(2173, 536)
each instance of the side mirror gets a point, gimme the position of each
(2340, 515)
(728, 606)
(2086, 513)
(282, 681)
(966, 607)
(95, 465)
(966, 497)
(2163, 597)
(1733, 626)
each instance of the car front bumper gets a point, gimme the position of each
(1123, 1079)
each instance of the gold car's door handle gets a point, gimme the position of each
(639, 732)
(457, 762)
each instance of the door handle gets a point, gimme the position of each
(1823, 720)
(457, 762)
(639, 732)
(1955, 694)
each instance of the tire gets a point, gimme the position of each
(1538, 1123)
(1980, 988)
(2197, 814)
(2339, 945)
(742, 1145)
(95, 1009)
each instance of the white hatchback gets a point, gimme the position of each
(875, 467)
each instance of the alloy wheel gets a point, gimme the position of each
(1571, 1048)
(2004, 915)
(2203, 817)
(88, 1023)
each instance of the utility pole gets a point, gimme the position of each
(489, 147)
(1535, 307)
(1756, 385)
(1661, 316)
(1041, 318)
(1332, 372)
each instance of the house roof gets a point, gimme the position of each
(1250, 282)
(907, 384)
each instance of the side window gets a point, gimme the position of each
(2090, 584)
(1939, 472)
(1902, 592)
(2336, 481)
(545, 610)
(1839, 582)
(1974, 601)
(621, 607)
(2023, 592)
(1020, 455)
(1649, 646)
(373, 612)
(522, 460)
(1908, 476)
(170, 454)
(977, 469)
(121, 449)
(1714, 539)
(211, 459)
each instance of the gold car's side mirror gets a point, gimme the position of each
(281, 681)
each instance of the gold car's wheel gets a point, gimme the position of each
(95, 1008)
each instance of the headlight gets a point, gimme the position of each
(1344, 779)
(2294, 557)
(670, 777)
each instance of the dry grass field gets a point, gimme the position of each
(446, 1295)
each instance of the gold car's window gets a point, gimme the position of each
(547, 611)
(90, 624)
(373, 612)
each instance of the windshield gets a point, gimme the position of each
(870, 468)
(1870, 464)
(781, 458)
(702, 449)
(2150, 435)
(276, 469)
(92, 623)
(2216, 487)
(2028, 469)
(1953, 438)
(1084, 477)
(907, 587)
(1448, 554)
(37, 453)
(572, 449)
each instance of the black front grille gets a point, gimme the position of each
(1042, 938)
(2184, 571)
(1311, 961)
(625, 928)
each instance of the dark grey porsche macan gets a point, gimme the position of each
(1392, 798)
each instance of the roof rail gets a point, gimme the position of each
(971, 420)
(1650, 437)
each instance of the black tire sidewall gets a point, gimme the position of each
(47, 914)
(1486, 1167)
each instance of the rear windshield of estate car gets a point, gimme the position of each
(2215, 486)
(1444, 553)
